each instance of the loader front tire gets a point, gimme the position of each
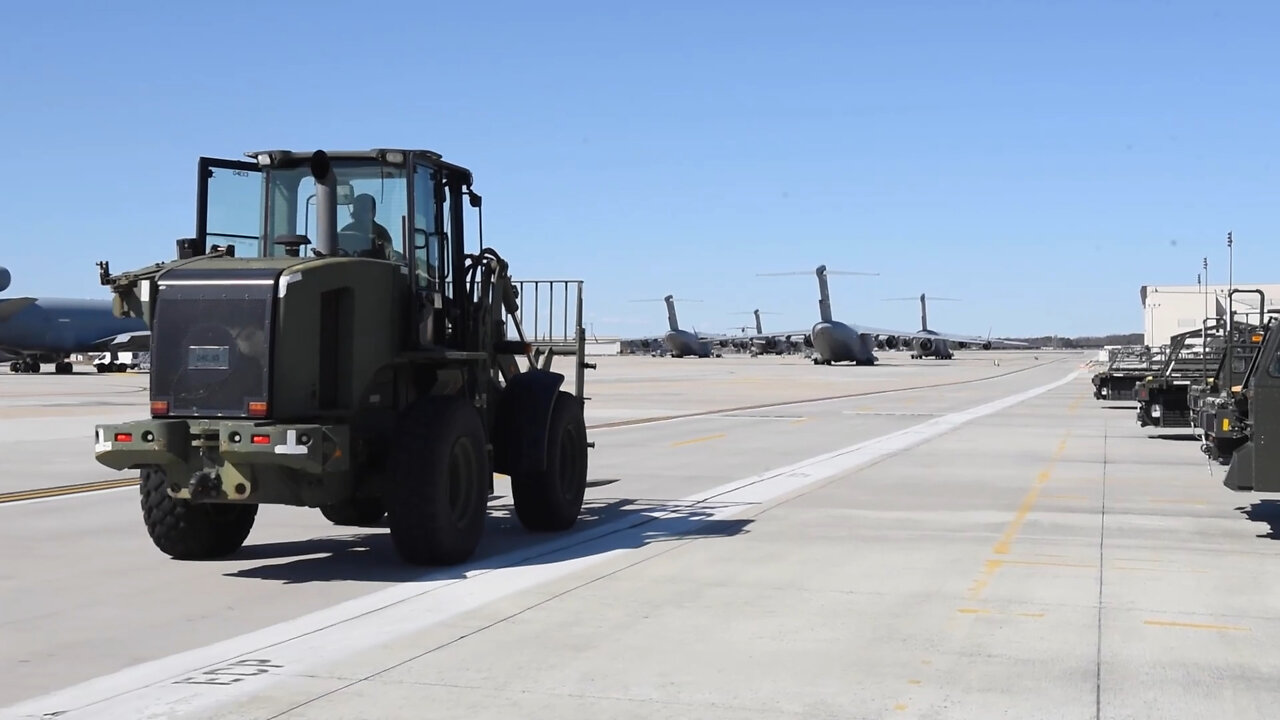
(438, 497)
(550, 500)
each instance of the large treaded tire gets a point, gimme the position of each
(191, 531)
(550, 500)
(438, 497)
(357, 512)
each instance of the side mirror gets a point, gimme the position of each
(346, 194)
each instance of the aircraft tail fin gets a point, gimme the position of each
(824, 295)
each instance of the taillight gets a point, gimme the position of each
(257, 409)
(261, 440)
(159, 407)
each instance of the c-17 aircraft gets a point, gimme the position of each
(762, 343)
(834, 341)
(936, 345)
(682, 342)
(50, 330)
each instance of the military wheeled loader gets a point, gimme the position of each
(365, 370)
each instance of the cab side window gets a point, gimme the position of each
(426, 212)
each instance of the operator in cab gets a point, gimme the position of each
(363, 210)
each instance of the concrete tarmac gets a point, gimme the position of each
(999, 547)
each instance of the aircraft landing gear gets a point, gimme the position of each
(25, 366)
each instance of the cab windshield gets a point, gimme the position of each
(372, 207)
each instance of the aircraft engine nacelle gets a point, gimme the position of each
(5, 279)
(808, 341)
(925, 345)
(962, 345)
(889, 342)
(986, 345)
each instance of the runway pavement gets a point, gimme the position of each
(994, 547)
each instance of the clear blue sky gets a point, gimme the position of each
(1038, 160)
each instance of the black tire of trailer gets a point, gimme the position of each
(550, 500)
(355, 512)
(437, 500)
(185, 530)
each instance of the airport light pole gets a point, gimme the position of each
(1230, 272)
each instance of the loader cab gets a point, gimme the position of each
(405, 206)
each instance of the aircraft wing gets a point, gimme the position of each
(139, 341)
(972, 339)
(780, 333)
(12, 306)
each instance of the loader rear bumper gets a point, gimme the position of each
(307, 448)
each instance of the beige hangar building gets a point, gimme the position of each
(1171, 309)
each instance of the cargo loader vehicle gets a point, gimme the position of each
(364, 369)
(1126, 367)
(1254, 466)
(1222, 415)
(1163, 399)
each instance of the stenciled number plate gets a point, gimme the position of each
(208, 357)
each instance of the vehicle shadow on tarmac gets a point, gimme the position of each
(1183, 437)
(606, 525)
(1264, 511)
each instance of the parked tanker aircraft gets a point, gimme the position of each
(834, 341)
(937, 345)
(682, 342)
(50, 330)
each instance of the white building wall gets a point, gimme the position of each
(1171, 309)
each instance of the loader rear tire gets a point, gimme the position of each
(550, 500)
(438, 497)
(185, 530)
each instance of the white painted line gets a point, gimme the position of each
(233, 669)
(799, 403)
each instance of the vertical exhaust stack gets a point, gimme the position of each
(326, 203)
(672, 321)
(824, 295)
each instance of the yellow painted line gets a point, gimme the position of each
(1193, 626)
(797, 421)
(704, 438)
(1029, 501)
(61, 490)
(1045, 563)
(984, 611)
(990, 566)
(915, 682)
(900, 707)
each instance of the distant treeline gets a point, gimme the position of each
(1088, 341)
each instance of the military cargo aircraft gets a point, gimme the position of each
(50, 330)
(682, 342)
(936, 345)
(761, 343)
(834, 341)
